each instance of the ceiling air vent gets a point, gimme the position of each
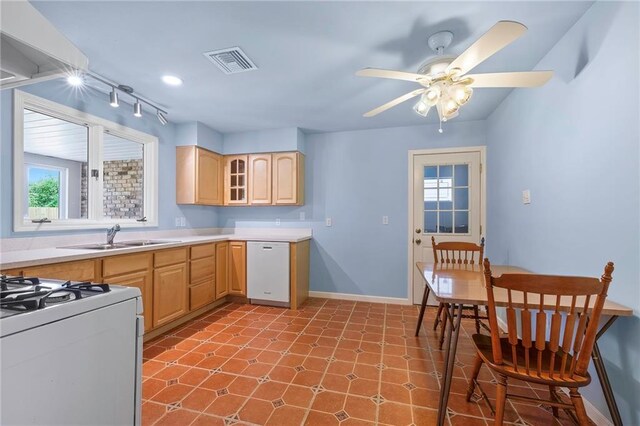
(231, 60)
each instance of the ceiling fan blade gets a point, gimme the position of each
(394, 75)
(510, 79)
(499, 36)
(393, 103)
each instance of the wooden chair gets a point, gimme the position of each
(560, 361)
(452, 252)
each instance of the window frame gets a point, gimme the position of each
(63, 182)
(96, 128)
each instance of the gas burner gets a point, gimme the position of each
(20, 294)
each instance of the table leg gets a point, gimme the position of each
(425, 296)
(453, 332)
(604, 377)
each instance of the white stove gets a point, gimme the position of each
(64, 341)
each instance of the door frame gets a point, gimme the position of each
(482, 149)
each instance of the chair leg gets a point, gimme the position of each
(554, 397)
(477, 363)
(578, 404)
(477, 318)
(443, 320)
(425, 296)
(437, 320)
(501, 400)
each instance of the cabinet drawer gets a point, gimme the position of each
(203, 250)
(119, 265)
(170, 257)
(82, 270)
(201, 294)
(202, 269)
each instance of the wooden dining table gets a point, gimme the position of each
(461, 285)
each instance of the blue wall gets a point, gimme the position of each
(96, 104)
(574, 144)
(355, 178)
(271, 140)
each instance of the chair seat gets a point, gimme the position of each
(518, 371)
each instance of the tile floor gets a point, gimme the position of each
(331, 362)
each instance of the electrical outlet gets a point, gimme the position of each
(302, 216)
(278, 222)
(183, 221)
(327, 221)
(526, 196)
(385, 220)
(177, 222)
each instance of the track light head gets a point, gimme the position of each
(113, 98)
(137, 109)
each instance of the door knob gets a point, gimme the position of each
(418, 231)
(418, 241)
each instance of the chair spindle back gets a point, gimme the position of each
(528, 292)
(455, 252)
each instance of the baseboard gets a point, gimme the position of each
(359, 297)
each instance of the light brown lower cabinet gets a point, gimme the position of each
(238, 268)
(169, 293)
(202, 294)
(81, 270)
(222, 267)
(143, 281)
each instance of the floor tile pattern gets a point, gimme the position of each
(331, 362)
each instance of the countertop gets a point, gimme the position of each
(43, 256)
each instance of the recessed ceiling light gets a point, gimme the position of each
(172, 80)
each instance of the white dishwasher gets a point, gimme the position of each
(268, 271)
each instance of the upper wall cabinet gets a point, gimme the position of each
(235, 180)
(260, 179)
(199, 176)
(288, 178)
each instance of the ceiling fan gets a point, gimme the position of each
(444, 81)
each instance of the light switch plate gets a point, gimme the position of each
(177, 222)
(278, 222)
(385, 220)
(526, 196)
(302, 216)
(327, 221)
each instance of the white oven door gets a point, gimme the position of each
(78, 371)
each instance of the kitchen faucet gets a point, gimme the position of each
(111, 233)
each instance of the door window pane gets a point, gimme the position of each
(445, 222)
(431, 222)
(122, 178)
(446, 199)
(55, 165)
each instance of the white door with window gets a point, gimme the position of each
(447, 203)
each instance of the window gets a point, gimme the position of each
(446, 199)
(77, 171)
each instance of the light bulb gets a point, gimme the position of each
(450, 107)
(460, 93)
(75, 80)
(432, 95)
(421, 108)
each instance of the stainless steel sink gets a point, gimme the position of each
(98, 246)
(142, 243)
(120, 245)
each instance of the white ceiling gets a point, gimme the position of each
(307, 53)
(52, 137)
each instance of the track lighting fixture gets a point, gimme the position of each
(161, 118)
(113, 98)
(137, 108)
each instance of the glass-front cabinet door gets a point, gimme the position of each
(236, 179)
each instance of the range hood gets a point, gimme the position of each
(32, 49)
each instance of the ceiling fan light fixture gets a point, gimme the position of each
(460, 93)
(422, 108)
(432, 95)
